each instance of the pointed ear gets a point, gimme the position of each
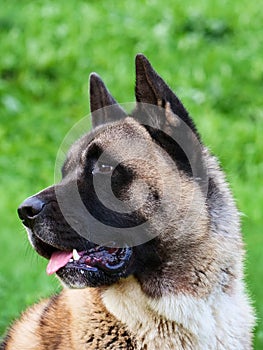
(100, 98)
(166, 119)
(151, 89)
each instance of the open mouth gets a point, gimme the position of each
(88, 265)
(109, 260)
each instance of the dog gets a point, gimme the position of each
(143, 233)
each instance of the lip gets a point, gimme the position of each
(109, 260)
(97, 267)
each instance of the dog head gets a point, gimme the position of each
(137, 197)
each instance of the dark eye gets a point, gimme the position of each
(100, 168)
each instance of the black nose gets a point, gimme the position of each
(30, 209)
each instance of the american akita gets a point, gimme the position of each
(142, 231)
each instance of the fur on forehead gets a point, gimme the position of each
(128, 142)
(127, 128)
(123, 135)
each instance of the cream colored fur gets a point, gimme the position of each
(181, 322)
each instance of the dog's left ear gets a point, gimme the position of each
(151, 89)
(100, 100)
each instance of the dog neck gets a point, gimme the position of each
(176, 321)
(153, 323)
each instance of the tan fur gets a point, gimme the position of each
(28, 324)
(91, 325)
(180, 322)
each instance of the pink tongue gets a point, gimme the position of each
(58, 260)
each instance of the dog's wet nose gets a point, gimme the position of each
(30, 209)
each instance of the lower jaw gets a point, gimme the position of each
(78, 278)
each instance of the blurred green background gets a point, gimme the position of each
(211, 54)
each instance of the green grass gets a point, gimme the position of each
(210, 52)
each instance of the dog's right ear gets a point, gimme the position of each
(166, 119)
(101, 98)
(151, 89)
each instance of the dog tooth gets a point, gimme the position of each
(71, 260)
(76, 256)
(82, 272)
